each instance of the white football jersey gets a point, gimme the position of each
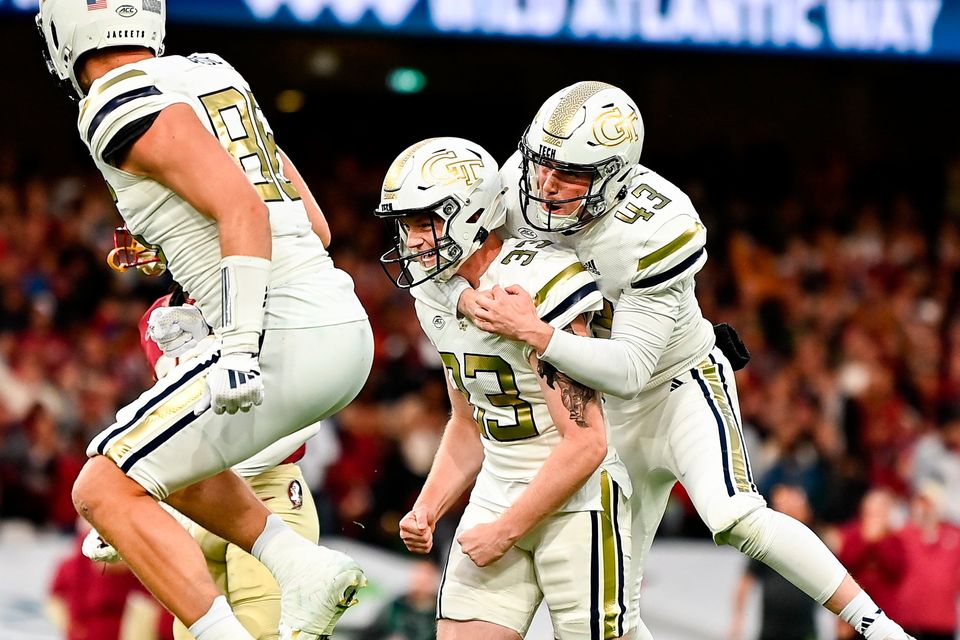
(495, 375)
(305, 289)
(653, 240)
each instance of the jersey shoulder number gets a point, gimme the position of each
(561, 287)
(660, 228)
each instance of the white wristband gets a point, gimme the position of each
(243, 282)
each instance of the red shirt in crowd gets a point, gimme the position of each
(95, 596)
(929, 589)
(878, 566)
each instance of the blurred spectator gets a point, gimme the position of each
(37, 470)
(412, 616)
(930, 588)
(936, 458)
(851, 312)
(874, 555)
(90, 601)
(786, 613)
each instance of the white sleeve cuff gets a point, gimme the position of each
(243, 282)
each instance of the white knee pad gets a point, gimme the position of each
(789, 548)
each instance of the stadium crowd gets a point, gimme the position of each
(843, 285)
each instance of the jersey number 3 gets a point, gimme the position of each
(524, 426)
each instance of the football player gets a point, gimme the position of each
(667, 374)
(547, 518)
(198, 177)
(173, 330)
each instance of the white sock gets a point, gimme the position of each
(273, 527)
(863, 614)
(273, 546)
(219, 623)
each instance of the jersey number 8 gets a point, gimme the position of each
(239, 124)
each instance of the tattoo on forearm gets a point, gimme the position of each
(575, 396)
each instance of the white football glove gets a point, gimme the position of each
(176, 330)
(98, 549)
(233, 384)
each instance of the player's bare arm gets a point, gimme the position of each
(581, 450)
(314, 213)
(454, 468)
(575, 396)
(179, 153)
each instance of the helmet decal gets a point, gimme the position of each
(612, 127)
(562, 120)
(444, 167)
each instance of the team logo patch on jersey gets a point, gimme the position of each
(438, 322)
(295, 493)
(529, 234)
(126, 11)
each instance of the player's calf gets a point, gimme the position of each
(796, 553)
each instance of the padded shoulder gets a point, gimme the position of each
(561, 287)
(122, 105)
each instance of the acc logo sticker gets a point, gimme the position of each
(438, 322)
(295, 493)
(612, 127)
(126, 11)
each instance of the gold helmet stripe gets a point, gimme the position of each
(569, 105)
(395, 173)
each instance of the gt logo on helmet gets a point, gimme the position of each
(439, 172)
(612, 127)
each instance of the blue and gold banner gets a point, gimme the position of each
(898, 28)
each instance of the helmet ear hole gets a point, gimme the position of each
(476, 216)
(53, 34)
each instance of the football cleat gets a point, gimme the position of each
(310, 612)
